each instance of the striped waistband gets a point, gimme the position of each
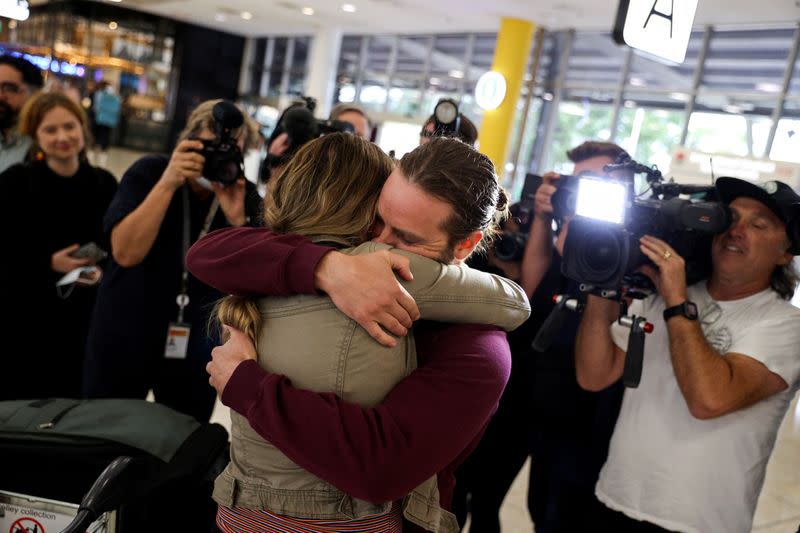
(242, 520)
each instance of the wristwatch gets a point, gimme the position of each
(687, 310)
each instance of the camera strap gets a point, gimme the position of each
(183, 297)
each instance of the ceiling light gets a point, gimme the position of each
(246, 15)
(435, 81)
(348, 8)
(112, 25)
(732, 109)
(115, 1)
(638, 82)
(456, 74)
(548, 97)
(307, 11)
(768, 87)
(681, 97)
(219, 17)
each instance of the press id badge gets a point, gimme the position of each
(177, 341)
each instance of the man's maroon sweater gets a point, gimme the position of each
(427, 424)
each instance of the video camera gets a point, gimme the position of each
(224, 161)
(602, 248)
(602, 252)
(300, 126)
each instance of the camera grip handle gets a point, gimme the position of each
(553, 324)
(632, 374)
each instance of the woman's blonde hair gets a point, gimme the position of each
(203, 118)
(329, 188)
(40, 104)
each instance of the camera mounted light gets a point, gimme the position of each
(601, 199)
(447, 119)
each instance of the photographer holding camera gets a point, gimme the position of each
(569, 428)
(149, 324)
(691, 444)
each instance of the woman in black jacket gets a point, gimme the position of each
(49, 208)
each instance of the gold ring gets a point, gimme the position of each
(667, 254)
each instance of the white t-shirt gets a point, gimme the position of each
(666, 467)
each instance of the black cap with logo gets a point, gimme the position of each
(778, 196)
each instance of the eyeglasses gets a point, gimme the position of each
(9, 87)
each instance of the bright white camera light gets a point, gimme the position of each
(601, 200)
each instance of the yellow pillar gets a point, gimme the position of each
(510, 59)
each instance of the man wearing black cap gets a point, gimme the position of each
(691, 445)
(19, 78)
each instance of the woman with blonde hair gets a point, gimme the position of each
(51, 206)
(148, 329)
(329, 192)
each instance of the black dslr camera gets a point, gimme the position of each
(602, 248)
(224, 161)
(300, 126)
(510, 246)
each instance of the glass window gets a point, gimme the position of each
(579, 119)
(516, 180)
(405, 97)
(786, 146)
(732, 124)
(649, 134)
(400, 137)
(350, 55)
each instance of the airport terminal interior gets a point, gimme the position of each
(566, 72)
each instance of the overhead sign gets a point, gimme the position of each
(490, 90)
(14, 9)
(658, 27)
(690, 166)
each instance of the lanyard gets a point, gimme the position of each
(183, 298)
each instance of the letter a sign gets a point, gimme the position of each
(658, 27)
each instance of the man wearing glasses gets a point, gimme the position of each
(18, 80)
(691, 444)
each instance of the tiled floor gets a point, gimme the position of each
(778, 508)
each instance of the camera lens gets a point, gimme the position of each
(595, 253)
(510, 247)
(601, 255)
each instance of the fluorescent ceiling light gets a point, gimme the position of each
(246, 15)
(307, 11)
(768, 87)
(456, 74)
(348, 8)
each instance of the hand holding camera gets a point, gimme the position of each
(543, 208)
(231, 201)
(185, 163)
